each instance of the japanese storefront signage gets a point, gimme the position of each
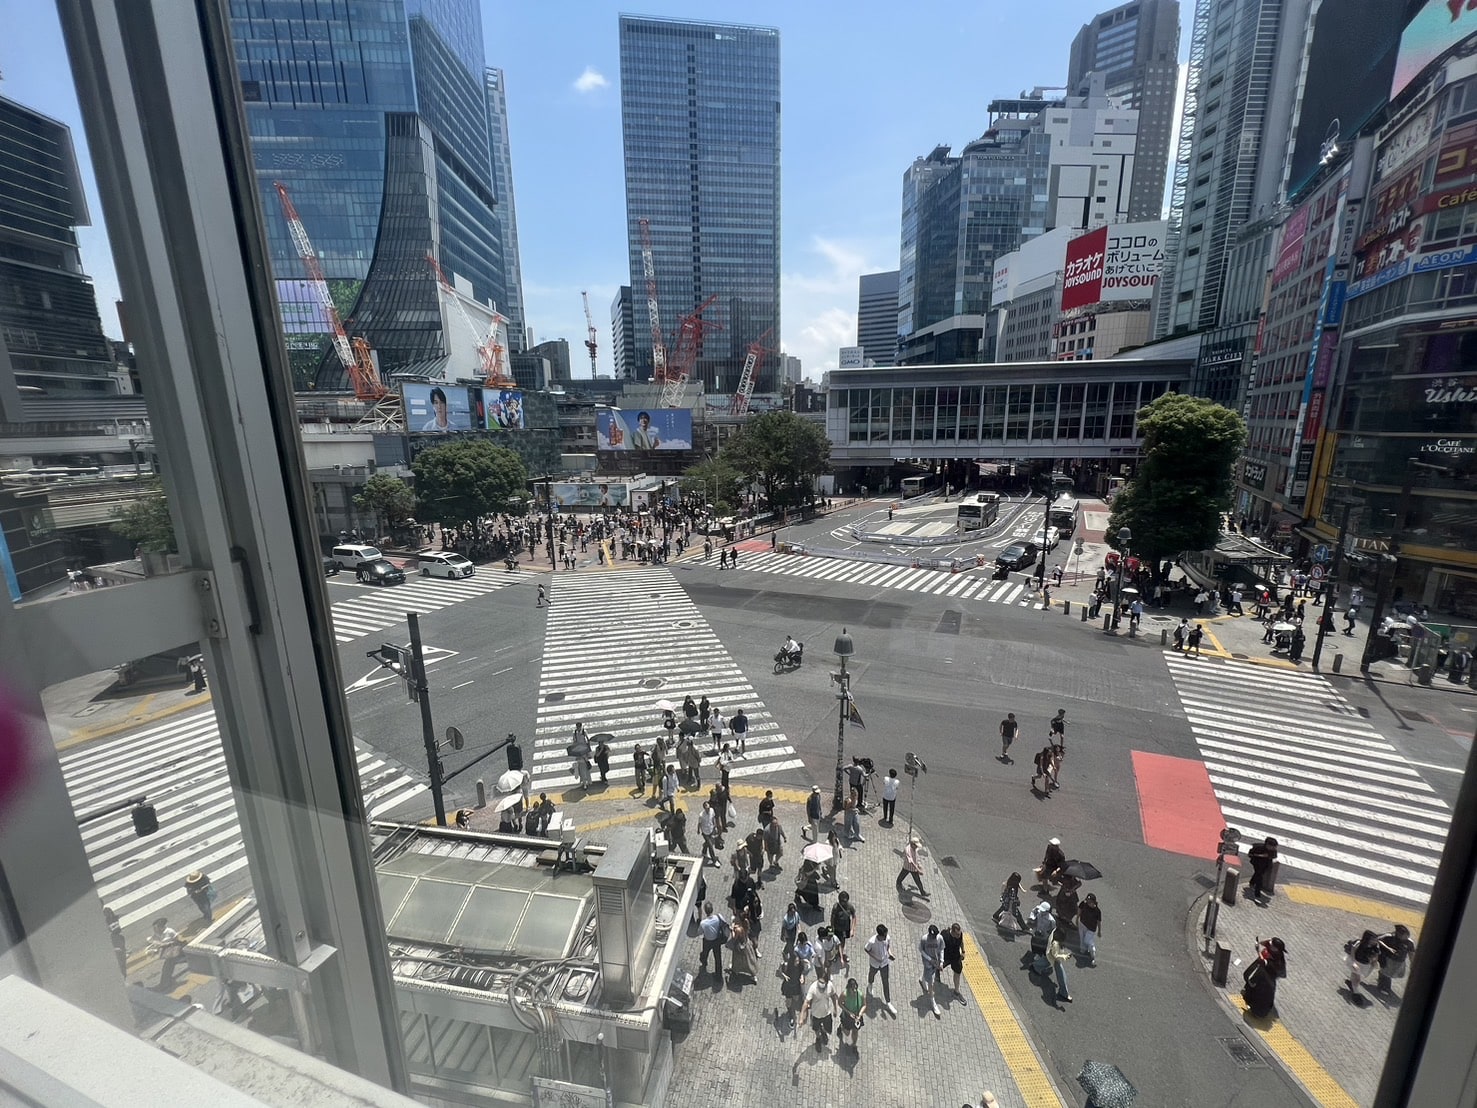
(1290, 253)
(1436, 259)
(1254, 475)
(1082, 279)
(1116, 263)
(1458, 158)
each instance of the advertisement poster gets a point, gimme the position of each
(1290, 253)
(1436, 28)
(645, 430)
(593, 495)
(1133, 259)
(1082, 280)
(438, 409)
(503, 410)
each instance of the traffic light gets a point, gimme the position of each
(515, 753)
(394, 658)
(145, 820)
(1230, 844)
(913, 765)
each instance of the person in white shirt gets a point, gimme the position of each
(712, 927)
(821, 1002)
(707, 827)
(891, 784)
(715, 728)
(931, 948)
(879, 961)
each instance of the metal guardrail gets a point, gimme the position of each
(946, 565)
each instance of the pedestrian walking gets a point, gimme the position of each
(118, 939)
(166, 942)
(715, 931)
(1058, 727)
(1395, 951)
(1362, 955)
(1196, 634)
(199, 889)
(879, 964)
(1259, 979)
(743, 954)
(755, 842)
(725, 763)
(602, 762)
(851, 821)
(789, 926)
(1009, 728)
(792, 983)
(1089, 923)
(1042, 762)
(1056, 957)
(856, 776)
(739, 725)
(843, 922)
(1235, 607)
(677, 831)
(891, 784)
(1182, 634)
(828, 947)
(813, 810)
(639, 763)
(954, 955)
(1262, 855)
(766, 808)
(669, 790)
(821, 1002)
(1058, 752)
(808, 884)
(1042, 925)
(707, 827)
(1351, 615)
(543, 597)
(931, 951)
(1201, 599)
(912, 867)
(715, 729)
(1050, 869)
(774, 842)
(581, 767)
(704, 712)
(805, 950)
(853, 1013)
(1010, 901)
(659, 769)
(1065, 903)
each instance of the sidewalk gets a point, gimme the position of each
(740, 1050)
(1333, 1043)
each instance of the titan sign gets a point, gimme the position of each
(1116, 263)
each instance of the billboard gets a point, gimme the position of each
(590, 494)
(1290, 253)
(644, 430)
(502, 409)
(440, 409)
(1082, 279)
(1436, 28)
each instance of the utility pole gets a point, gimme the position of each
(1330, 586)
(844, 649)
(1045, 523)
(422, 693)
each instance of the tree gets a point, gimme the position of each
(714, 481)
(461, 482)
(146, 521)
(783, 453)
(1175, 502)
(388, 499)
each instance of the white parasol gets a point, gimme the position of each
(817, 852)
(665, 706)
(503, 803)
(511, 781)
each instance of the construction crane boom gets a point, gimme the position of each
(355, 356)
(648, 268)
(689, 346)
(590, 343)
(752, 361)
(489, 349)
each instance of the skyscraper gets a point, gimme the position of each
(700, 121)
(623, 334)
(496, 85)
(48, 309)
(1136, 48)
(383, 143)
(876, 317)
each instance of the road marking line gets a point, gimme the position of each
(1300, 1062)
(1433, 765)
(1015, 1048)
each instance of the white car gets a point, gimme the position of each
(1047, 538)
(443, 563)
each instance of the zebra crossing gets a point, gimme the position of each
(1289, 757)
(180, 766)
(976, 584)
(379, 607)
(617, 643)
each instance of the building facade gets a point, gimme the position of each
(623, 334)
(383, 145)
(49, 323)
(700, 123)
(495, 84)
(1135, 47)
(876, 317)
(556, 353)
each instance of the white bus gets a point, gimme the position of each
(1064, 514)
(917, 486)
(980, 512)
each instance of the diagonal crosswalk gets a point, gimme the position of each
(1290, 758)
(178, 763)
(378, 607)
(976, 584)
(617, 643)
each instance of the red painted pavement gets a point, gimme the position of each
(753, 544)
(1177, 804)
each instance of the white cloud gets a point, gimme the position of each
(590, 80)
(819, 301)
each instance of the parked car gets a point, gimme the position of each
(1018, 555)
(330, 567)
(380, 572)
(1047, 537)
(354, 555)
(445, 563)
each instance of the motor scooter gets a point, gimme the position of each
(787, 659)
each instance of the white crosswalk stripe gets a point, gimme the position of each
(617, 643)
(378, 607)
(974, 584)
(1290, 758)
(178, 763)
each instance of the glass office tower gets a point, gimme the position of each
(374, 117)
(700, 119)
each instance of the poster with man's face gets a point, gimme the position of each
(437, 409)
(644, 430)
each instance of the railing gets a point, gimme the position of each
(946, 565)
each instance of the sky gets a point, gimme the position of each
(866, 87)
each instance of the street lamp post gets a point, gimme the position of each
(1125, 536)
(844, 649)
(1045, 523)
(1331, 584)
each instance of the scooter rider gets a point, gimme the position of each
(791, 649)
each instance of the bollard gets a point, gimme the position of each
(1425, 673)
(1164, 636)
(1220, 964)
(1228, 887)
(1338, 662)
(1084, 615)
(1107, 623)
(1066, 607)
(1269, 884)
(481, 793)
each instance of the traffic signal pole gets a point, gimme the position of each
(422, 693)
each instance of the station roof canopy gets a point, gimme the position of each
(1240, 550)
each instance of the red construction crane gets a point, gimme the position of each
(355, 355)
(689, 346)
(754, 359)
(648, 267)
(590, 343)
(489, 349)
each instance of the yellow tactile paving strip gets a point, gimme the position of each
(1020, 1056)
(1357, 905)
(1318, 1081)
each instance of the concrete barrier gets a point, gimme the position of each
(1338, 662)
(1220, 964)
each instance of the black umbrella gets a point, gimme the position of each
(1106, 1086)
(689, 726)
(604, 737)
(1083, 871)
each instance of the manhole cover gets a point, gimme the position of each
(1240, 657)
(653, 682)
(554, 697)
(1242, 1052)
(950, 861)
(1161, 619)
(915, 911)
(684, 623)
